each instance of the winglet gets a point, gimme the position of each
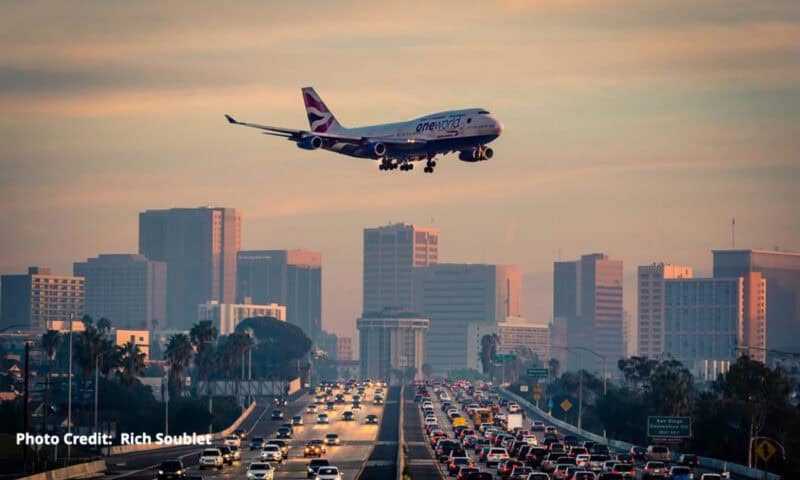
(230, 119)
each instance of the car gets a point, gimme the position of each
(330, 405)
(456, 463)
(626, 470)
(240, 433)
(711, 476)
(347, 416)
(625, 458)
(355, 406)
(582, 460)
(211, 457)
(538, 476)
(596, 462)
(600, 449)
(311, 408)
(479, 476)
(314, 465)
(680, 473)
(688, 460)
(284, 444)
(514, 408)
(284, 432)
(332, 439)
(260, 471)
(583, 475)
(233, 440)
(328, 473)
(551, 429)
(277, 415)
(654, 470)
(520, 473)
(171, 469)
(494, 455)
(236, 453)
(610, 476)
(322, 418)
(658, 453)
(227, 454)
(271, 453)
(297, 420)
(372, 419)
(256, 443)
(639, 454)
(312, 449)
(537, 426)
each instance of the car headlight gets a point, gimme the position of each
(161, 472)
(250, 475)
(179, 472)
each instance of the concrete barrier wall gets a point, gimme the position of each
(73, 471)
(121, 449)
(705, 462)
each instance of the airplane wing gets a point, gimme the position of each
(294, 134)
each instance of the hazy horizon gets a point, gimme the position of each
(637, 130)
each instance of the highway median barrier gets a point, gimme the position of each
(80, 470)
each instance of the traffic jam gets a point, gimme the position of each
(475, 434)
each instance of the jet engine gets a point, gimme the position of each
(377, 149)
(476, 154)
(310, 143)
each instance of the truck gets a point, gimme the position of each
(514, 420)
(482, 415)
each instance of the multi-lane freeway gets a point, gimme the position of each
(357, 442)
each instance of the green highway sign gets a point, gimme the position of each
(669, 427)
(500, 357)
(538, 373)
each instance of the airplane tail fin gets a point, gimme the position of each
(320, 119)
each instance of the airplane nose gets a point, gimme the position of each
(498, 127)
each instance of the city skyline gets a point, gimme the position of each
(636, 130)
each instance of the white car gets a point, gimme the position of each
(211, 457)
(328, 473)
(233, 440)
(260, 471)
(582, 459)
(271, 453)
(530, 440)
(513, 408)
(235, 453)
(322, 418)
(495, 455)
(331, 439)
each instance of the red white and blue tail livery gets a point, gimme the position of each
(394, 145)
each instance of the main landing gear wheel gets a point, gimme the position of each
(406, 167)
(430, 166)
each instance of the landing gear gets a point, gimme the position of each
(430, 166)
(407, 167)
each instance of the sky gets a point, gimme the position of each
(638, 129)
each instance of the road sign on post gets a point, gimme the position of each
(565, 405)
(669, 427)
(765, 450)
(537, 373)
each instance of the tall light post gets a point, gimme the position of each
(69, 387)
(165, 393)
(96, 385)
(580, 376)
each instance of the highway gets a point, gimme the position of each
(357, 440)
(382, 462)
(420, 461)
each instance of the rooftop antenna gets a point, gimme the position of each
(733, 233)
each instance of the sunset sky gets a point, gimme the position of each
(634, 128)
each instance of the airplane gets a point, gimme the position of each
(394, 145)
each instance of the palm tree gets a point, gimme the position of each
(178, 355)
(553, 364)
(90, 343)
(488, 351)
(51, 341)
(104, 326)
(131, 362)
(203, 335)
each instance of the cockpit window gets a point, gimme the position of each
(483, 112)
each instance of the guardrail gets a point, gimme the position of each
(401, 458)
(73, 471)
(705, 462)
(121, 449)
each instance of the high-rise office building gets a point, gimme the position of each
(391, 340)
(344, 347)
(515, 333)
(390, 254)
(199, 246)
(32, 300)
(650, 281)
(287, 277)
(225, 316)
(129, 290)
(781, 270)
(587, 299)
(464, 302)
(702, 323)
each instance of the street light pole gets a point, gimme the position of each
(96, 387)
(580, 393)
(69, 387)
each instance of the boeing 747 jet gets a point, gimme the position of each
(394, 145)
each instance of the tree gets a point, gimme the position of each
(671, 386)
(280, 348)
(488, 351)
(51, 341)
(427, 370)
(90, 344)
(553, 365)
(637, 370)
(131, 362)
(104, 326)
(203, 335)
(178, 354)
